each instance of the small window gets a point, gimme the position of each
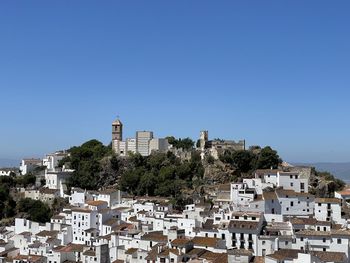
(339, 241)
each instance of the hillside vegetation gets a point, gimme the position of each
(164, 174)
(28, 208)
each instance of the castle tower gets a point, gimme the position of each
(203, 138)
(117, 130)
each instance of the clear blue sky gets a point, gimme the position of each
(273, 72)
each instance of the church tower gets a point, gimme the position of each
(117, 130)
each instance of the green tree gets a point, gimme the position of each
(26, 180)
(85, 160)
(267, 158)
(147, 184)
(185, 143)
(37, 210)
(243, 160)
(226, 157)
(130, 180)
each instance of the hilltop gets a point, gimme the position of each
(171, 175)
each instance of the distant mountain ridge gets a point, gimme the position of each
(340, 170)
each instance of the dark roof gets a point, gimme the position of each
(155, 236)
(205, 241)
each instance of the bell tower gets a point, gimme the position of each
(117, 130)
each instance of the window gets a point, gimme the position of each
(324, 240)
(253, 218)
(291, 184)
(338, 241)
(286, 243)
(291, 176)
(291, 203)
(301, 239)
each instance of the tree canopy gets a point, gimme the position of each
(37, 210)
(85, 160)
(181, 143)
(248, 160)
(160, 174)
